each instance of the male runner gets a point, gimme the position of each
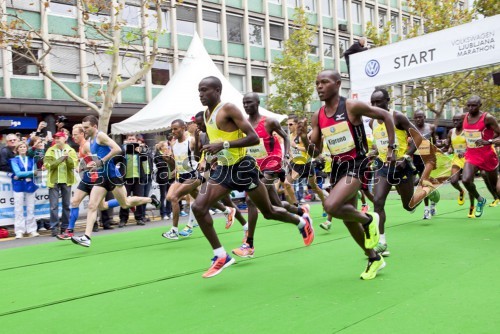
(84, 187)
(399, 174)
(268, 155)
(340, 121)
(480, 129)
(229, 133)
(109, 178)
(428, 131)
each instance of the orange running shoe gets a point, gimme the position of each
(230, 217)
(307, 231)
(218, 264)
(244, 251)
(306, 208)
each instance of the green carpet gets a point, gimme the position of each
(441, 277)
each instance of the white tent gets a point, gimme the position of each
(179, 98)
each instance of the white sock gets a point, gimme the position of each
(245, 227)
(220, 252)
(190, 218)
(227, 211)
(426, 208)
(176, 229)
(382, 239)
(328, 222)
(302, 222)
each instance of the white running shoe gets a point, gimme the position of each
(427, 214)
(172, 235)
(81, 240)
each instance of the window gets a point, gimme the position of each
(293, 3)
(234, 28)
(310, 5)
(238, 82)
(406, 22)
(257, 84)
(394, 23)
(65, 59)
(23, 66)
(130, 66)
(381, 20)
(276, 35)
(100, 12)
(63, 7)
(314, 45)
(326, 7)
(131, 15)
(343, 45)
(211, 25)
(370, 14)
(278, 2)
(328, 42)
(186, 20)
(153, 20)
(160, 72)
(256, 33)
(341, 9)
(355, 12)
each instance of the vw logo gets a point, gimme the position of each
(372, 68)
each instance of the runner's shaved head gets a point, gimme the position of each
(474, 99)
(252, 95)
(332, 74)
(213, 82)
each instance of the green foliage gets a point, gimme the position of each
(377, 36)
(295, 72)
(487, 7)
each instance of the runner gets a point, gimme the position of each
(229, 134)
(480, 129)
(109, 178)
(268, 155)
(84, 187)
(339, 120)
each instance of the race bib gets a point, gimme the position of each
(460, 149)
(257, 151)
(181, 161)
(338, 138)
(424, 148)
(382, 141)
(471, 137)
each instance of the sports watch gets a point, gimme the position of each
(226, 145)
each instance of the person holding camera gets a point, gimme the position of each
(60, 161)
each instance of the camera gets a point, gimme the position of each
(62, 119)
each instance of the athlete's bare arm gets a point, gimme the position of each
(403, 123)
(491, 123)
(448, 147)
(275, 126)
(316, 142)
(103, 139)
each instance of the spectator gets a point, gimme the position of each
(7, 153)
(359, 46)
(147, 167)
(42, 132)
(61, 123)
(24, 187)
(37, 151)
(165, 176)
(60, 161)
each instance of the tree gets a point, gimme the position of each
(487, 7)
(295, 72)
(106, 32)
(436, 93)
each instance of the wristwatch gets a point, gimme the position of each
(393, 146)
(490, 141)
(226, 145)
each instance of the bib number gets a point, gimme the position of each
(338, 138)
(471, 137)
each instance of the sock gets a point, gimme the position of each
(220, 252)
(373, 259)
(250, 242)
(364, 204)
(302, 222)
(382, 239)
(426, 208)
(176, 229)
(245, 227)
(328, 222)
(300, 211)
(86, 236)
(73, 216)
(190, 219)
(113, 203)
(227, 211)
(370, 219)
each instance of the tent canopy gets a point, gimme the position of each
(179, 98)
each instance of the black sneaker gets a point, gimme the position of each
(122, 223)
(155, 201)
(107, 227)
(96, 227)
(141, 222)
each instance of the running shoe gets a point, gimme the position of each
(155, 201)
(372, 233)
(306, 208)
(218, 264)
(365, 208)
(326, 226)
(182, 214)
(186, 232)
(471, 214)
(81, 240)
(494, 203)
(461, 198)
(382, 249)
(35, 234)
(372, 269)
(172, 235)
(66, 235)
(433, 209)
(307, 231)
(19, 235)
(427, 214)
(230, 217)
(244, 251)
(480, 207)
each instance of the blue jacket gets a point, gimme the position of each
(22, 172)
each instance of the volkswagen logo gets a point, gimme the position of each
(372, 68)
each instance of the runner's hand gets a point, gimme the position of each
(482, 142)
(212, 148)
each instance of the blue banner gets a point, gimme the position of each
(21, 122)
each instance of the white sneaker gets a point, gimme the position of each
(19, 235)
(217, 211)
(427, 214)
(172, 235)
(433, 209)
(42, 229)
(81, 240)
(35, 234)
(212, 212)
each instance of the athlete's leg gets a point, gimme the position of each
(488, 181)
(381, 190)
(288, 186)
(357, 232)
(468, 180)
(126, 202)
(74, 211)
(315, 188)
(97, 196)
(338, 202)
(176, 192)
(455, 178)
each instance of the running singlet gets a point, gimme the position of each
(225, 157)
(183, 156)
(299, 157)
(88, 177)
(382, 140)
(459, 145)
(344, 140)
(483, 157)
(109, 169)
(268, 151)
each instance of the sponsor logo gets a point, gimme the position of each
(372, 68)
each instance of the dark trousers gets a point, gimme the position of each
(134, 188)
(165, 206)
(63, 190)
(147, 190)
